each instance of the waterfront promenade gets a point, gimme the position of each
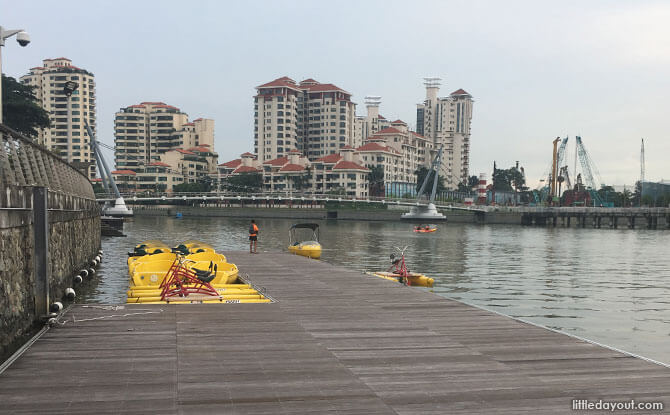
(335, 340)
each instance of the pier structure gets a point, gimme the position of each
(334, 340)
(632, 218)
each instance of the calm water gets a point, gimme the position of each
(610, 286)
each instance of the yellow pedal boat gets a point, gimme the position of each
(310, 248)
(153, 272)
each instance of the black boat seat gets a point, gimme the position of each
(204, 275)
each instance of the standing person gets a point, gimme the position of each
(253, 237)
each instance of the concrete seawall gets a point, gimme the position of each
(391, 214)
(74, 238)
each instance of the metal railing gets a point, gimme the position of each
(24, 163)
(293, 198)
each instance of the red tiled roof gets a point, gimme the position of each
(232, 163)
(279, 82)
(152, 103)
(247, 154)
(322, 88)
(58, 59)
(416, 134)
(124, 172)
(96, 180)
(330, 158)
(278, 161)
(197, 119)
(389, 130)
(137, 106)
(309, 81)
(399, 122)
(381, 117)
(373, 147)
(189, 123)
(348, 165)
(185, 151)
(295, 150)
(200, 149)
(460, 92)
(347, 147)
(41, 67)
(292, 167)
(166, 106)
(245, 169)
(159, 163)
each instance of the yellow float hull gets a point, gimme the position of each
(312, 250)
(413, 278)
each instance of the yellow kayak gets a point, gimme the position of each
(311, 249)
(413, 278)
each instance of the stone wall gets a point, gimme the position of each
(392, 214)
(74, 239)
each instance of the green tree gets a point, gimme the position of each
(245, 182)
(197, 187)
(376, 181)
(421, 174)
(20, 108)
(473, 181)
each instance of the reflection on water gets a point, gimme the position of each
(607, 285)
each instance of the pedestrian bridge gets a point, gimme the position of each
(282, 199)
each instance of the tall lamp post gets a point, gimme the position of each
(23, 39)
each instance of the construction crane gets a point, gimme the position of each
(588, 167)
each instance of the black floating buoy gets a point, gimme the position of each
(56, 307)
(91, 272)
(77, 279)
(70, 294)
(83, 273)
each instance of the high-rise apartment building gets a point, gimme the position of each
(316, 119)
(67, 135)
(368, 125)
(144, 131)
(446, 121)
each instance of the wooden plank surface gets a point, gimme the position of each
(336, 341)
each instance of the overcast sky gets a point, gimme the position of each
(537, 70)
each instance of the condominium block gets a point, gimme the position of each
(67, 135)
(446, 121)
(144, 131)
(314, 118)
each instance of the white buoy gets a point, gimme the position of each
(83, 273)
(77, 279)
(56, 307)
(98, 258)
(94, 263)
(70, 294)
(100, 252)
(91, 272)
(52, 321)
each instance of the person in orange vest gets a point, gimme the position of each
(253, 237)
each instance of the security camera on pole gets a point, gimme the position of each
(21, 37)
